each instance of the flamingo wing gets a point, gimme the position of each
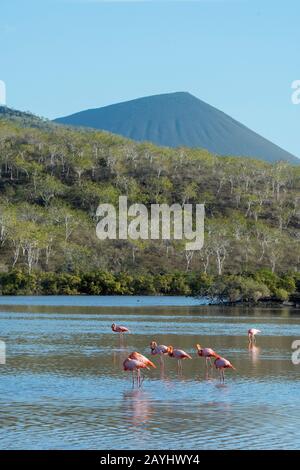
(180, 354)
(162, 349)
(253, 331)
(122, 329)
(222, 363)
(137, 356)
(208, 352)
(134, 364)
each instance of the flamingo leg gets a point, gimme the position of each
(162, 370)
(139, 377)
(121, 341)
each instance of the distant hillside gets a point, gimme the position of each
(53, 178)
(52, 181)
(25, 118)
(180, 119)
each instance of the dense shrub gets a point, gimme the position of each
(233, 288)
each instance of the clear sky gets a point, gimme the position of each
(63, 56)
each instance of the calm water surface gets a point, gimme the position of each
(63, 386)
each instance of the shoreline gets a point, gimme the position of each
(139, 301)
(261, 304)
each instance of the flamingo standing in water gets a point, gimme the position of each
(251, 334)
(178, 354)
(159, 350)
(221, 363)
(208, 353)
(136, 361)
(119, 329)
(139, 357)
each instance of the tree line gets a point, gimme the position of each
(248, 287)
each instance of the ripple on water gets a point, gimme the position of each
(63, 384)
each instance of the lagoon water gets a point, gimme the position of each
(63, 387)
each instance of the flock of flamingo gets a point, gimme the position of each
(136, 361)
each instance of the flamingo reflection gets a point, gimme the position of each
(138, 407)
(254, 352)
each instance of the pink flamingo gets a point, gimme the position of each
(178, 354)
(208, 353)
(132, 365)
(136, 361)
(159, 350)
(119, 329)
(251, 334)
(139, 357)
(221, 363)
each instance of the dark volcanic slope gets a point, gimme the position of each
(179, 119)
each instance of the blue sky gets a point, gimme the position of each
(62, 56)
